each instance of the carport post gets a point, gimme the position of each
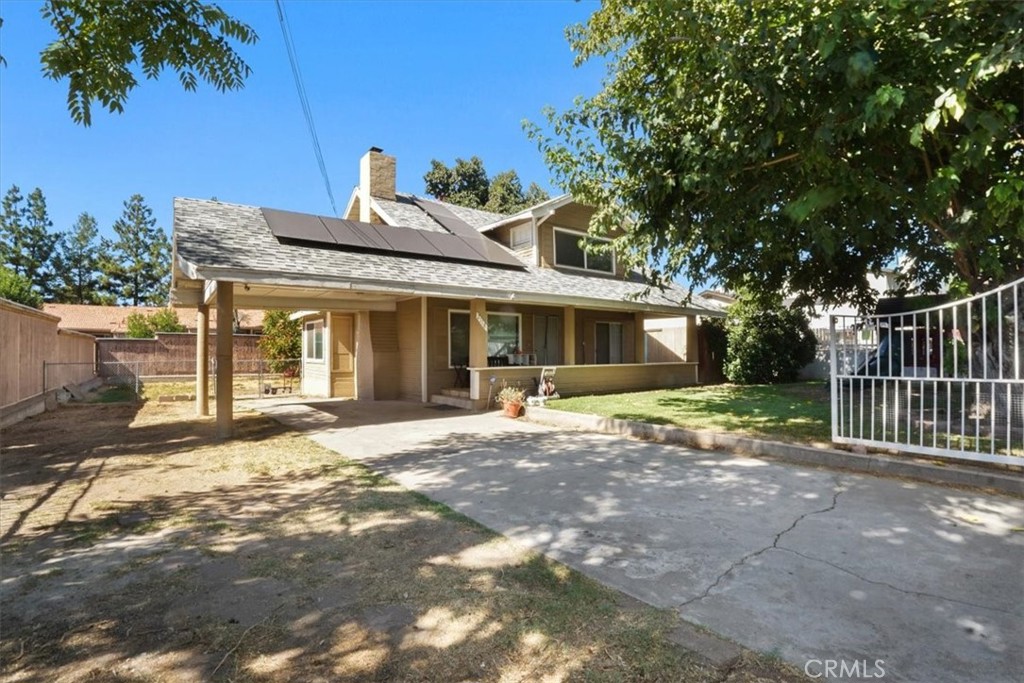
(203, 360)
(225, 366)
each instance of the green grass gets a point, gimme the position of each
(785, 412)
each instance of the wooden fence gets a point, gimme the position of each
(29, 341)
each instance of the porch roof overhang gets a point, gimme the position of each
(294, 291)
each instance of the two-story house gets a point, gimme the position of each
(414, 299)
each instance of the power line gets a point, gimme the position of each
(304, 101)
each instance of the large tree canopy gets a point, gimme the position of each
(795, 145)
(101, 43)
(466, 184)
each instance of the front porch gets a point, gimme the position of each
(570, 380)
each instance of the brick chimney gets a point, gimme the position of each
(376, 179)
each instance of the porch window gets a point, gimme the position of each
(570, 253)
(458, 338)
(608, 345)
(315, 340)
(504, 335)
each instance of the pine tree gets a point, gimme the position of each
(26, 243)
(135, 268)
(76, 264)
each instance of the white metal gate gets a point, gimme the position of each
(943, 381)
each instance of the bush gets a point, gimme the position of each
(281, 342)
(768, 343)
(142, 326)
(17, 288)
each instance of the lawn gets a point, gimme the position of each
(138, 547)
(786, 412)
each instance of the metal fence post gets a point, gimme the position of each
(834, 372)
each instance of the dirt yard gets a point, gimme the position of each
(137, 547)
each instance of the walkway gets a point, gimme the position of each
(811, 564)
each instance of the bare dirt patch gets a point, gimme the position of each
(138, 547)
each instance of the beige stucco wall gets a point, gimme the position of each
(29, 338)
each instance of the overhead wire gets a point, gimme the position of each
(304, 100)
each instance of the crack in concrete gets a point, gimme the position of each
(905, 591)
(774, 545)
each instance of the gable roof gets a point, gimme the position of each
(112, 319)
(219, 241)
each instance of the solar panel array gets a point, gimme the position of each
(463, 244)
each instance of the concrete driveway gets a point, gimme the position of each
(884, 578)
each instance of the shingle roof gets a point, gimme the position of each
(111, 319)
(213, 236)
(405, 213)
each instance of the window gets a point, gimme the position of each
(521, 236)
(569, 253)
(608, 345)
(458, 338)
(503, 335)
(315, 340)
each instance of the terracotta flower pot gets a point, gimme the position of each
(513, 409)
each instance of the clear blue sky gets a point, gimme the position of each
(420, 79)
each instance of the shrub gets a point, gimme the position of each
(142, 326)
(767, 343)
(18, 288)
(281, 341)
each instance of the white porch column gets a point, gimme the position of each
(203, 360)
(225, 365)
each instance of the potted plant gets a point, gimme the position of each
(511, 399)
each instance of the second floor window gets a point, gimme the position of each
(570, 253)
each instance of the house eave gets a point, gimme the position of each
(181, 296)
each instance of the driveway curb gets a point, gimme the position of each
(805, 455)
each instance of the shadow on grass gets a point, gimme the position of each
(319, 569)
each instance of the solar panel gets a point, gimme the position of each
(336, 233)
(487, 248)
(298, 226)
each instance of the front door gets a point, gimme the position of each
(343, 357)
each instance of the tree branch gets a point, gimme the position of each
(773, 162)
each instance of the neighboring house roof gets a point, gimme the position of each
(219, 241)
(111, 319)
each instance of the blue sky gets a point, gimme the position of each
(420, 79)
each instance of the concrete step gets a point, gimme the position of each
(442, 399)
(455, 393)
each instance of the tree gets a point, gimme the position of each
(135, 268)
(26, 243)
(102, 44)
(143, 326)
(281, 342)
(803, 144)
(76, 264)
(466, 184)
(18, 288)
(767, 342)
